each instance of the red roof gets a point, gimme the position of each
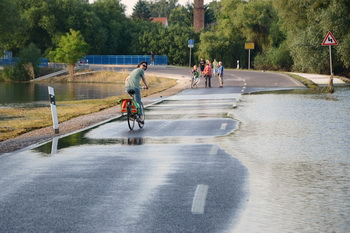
(162, 20)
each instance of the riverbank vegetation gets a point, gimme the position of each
(16, 121)
(287, 33)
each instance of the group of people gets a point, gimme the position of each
(208, 69)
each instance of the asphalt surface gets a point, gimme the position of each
(170, 176)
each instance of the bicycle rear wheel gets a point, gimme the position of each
(130, 116)
(143, 112)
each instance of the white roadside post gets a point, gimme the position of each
(330, 40)
(53, 109)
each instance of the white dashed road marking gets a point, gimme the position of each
(223, 126)
(214, 150)
(199, 199)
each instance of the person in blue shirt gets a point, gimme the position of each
(221, 74)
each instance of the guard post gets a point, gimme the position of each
(53, 110)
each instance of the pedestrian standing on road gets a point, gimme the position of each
(207, 73)
(221, 74)
(132, 82)
(215, 67)
(201, 67)
(152, 58)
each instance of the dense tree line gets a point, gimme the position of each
(287, 33)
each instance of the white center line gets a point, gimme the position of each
(223, 126)
(214, 150)
(199, 199)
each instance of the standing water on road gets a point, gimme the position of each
(297, 151)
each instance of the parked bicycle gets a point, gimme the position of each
(133, 110)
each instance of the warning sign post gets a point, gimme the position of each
(330, 40)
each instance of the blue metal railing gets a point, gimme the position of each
(124, 59)
(103, 60)
(11, 61)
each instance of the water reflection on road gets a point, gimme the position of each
(296, 148)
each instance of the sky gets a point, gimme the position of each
(130, 4)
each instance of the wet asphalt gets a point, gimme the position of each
(170, 176)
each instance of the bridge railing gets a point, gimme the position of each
(124, 59)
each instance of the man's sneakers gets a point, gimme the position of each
(141, 119)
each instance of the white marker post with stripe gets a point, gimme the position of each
(53, 109)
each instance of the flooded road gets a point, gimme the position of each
(168, 177)
(207, 160)
(296, 148)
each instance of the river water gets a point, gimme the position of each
(29, 94)
(297, 151)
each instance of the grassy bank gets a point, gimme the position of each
(16, 121)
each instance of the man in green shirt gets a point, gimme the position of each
(132, 82)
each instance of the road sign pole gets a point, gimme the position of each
(330, 59)
(190, 45)
(249, 59)
(190, 57)
(330, 85)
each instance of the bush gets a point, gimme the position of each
(25, 68)
(13, 73)
(274, 59)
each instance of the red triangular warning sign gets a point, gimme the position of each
(329, 40)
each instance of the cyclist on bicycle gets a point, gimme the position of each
(132, 82)
(195, 76)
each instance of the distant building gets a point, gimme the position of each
(198, 15)
(162, 20)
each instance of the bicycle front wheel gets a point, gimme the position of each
(192, 82)
(131, 117)
(141, 124)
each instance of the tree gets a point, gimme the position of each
(25, 67)
(112, 36)
(30, 60)
(305, 24)
(71, 48)
(162, 8)
(224, 41)
(211, 11)
(180, 16)
(141, 11)
(9, 20)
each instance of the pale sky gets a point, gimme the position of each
(130, 4)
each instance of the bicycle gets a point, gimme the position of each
(133, 110)
(195, 81)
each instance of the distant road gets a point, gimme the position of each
(231, 77)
